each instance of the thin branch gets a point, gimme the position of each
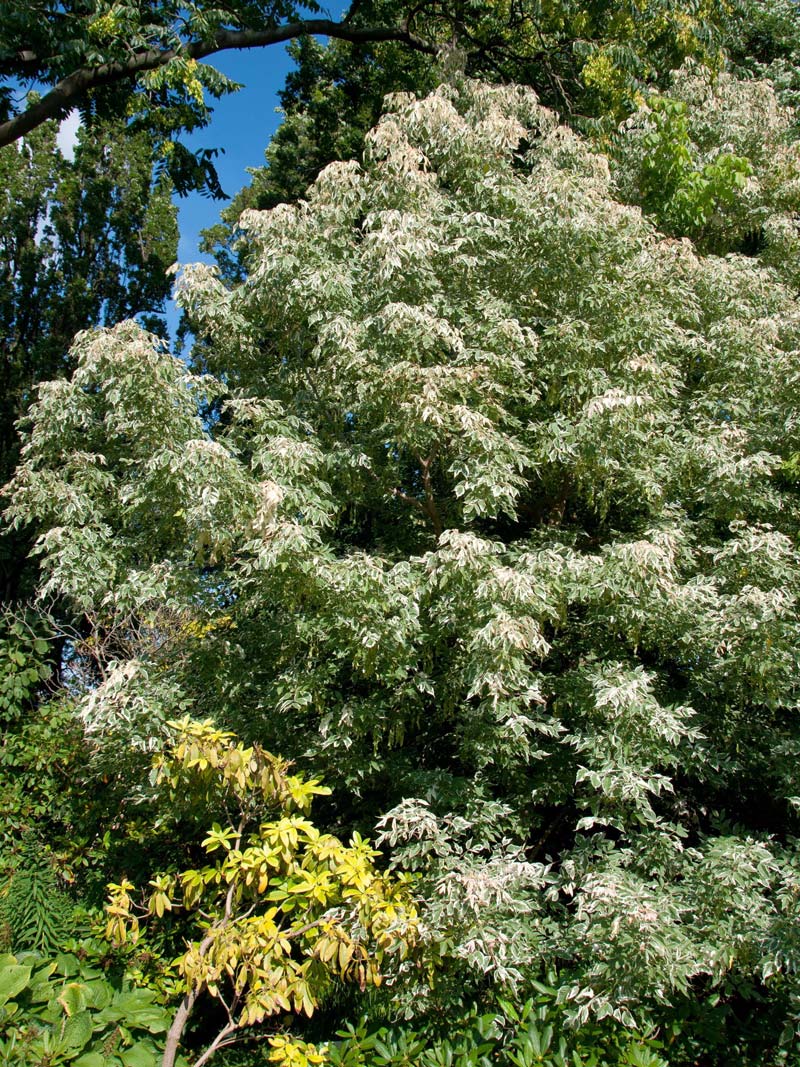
(229, 1008)
(224, 1033)
(228, 905)
(244, 1034)
(412, 500)
(289, 934)
(431, 507)
(175, 1032)
(426, 507)
(73, 89)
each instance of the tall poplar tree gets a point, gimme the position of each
(84, 242)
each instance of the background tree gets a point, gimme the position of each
(588, 61)
(764, 40)
(716, 159)
(148, 56)
(84, 242)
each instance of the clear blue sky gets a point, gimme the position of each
(242, 125)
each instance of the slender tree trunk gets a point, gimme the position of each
(175, 1032)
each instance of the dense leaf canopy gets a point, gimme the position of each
(87, 52)
(478, 501)
(475, 498)
(85, 241)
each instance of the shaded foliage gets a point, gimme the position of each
(487, 527)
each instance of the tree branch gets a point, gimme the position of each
(218, 1041)
(431, 507)
(412, 500)
(175, 1032)
(73, 89)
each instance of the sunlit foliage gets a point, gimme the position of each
(474, 502)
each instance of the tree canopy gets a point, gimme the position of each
(475, 498)
(154, 52)
(85, 241)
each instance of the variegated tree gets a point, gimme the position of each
(481, 501)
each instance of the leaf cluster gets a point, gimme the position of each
(63, 1009)
(281, 907)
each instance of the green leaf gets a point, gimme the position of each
(140, 1055)
(99, 993)
(78, 1030)
(68, 965)
(138, 1010)
(73, 998)
(13, 979)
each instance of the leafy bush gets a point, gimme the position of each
(281, 907)
(716, 159)
(22, 667)
(477, 507)
(34, 909)
(65, 1010)
(531, 1034)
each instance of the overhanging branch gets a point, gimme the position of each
(72, 89)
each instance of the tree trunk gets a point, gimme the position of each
(176, 1030)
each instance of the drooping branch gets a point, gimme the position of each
(428, 506)
(74, 88)
(412, 500)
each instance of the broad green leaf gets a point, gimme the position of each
(13, 979)
(73, 997)
(91, 1059)
(78, 1030)
(140, 1055)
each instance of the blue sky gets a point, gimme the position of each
(242, 125)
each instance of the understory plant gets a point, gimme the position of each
(64, 1009)
(281, 909)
